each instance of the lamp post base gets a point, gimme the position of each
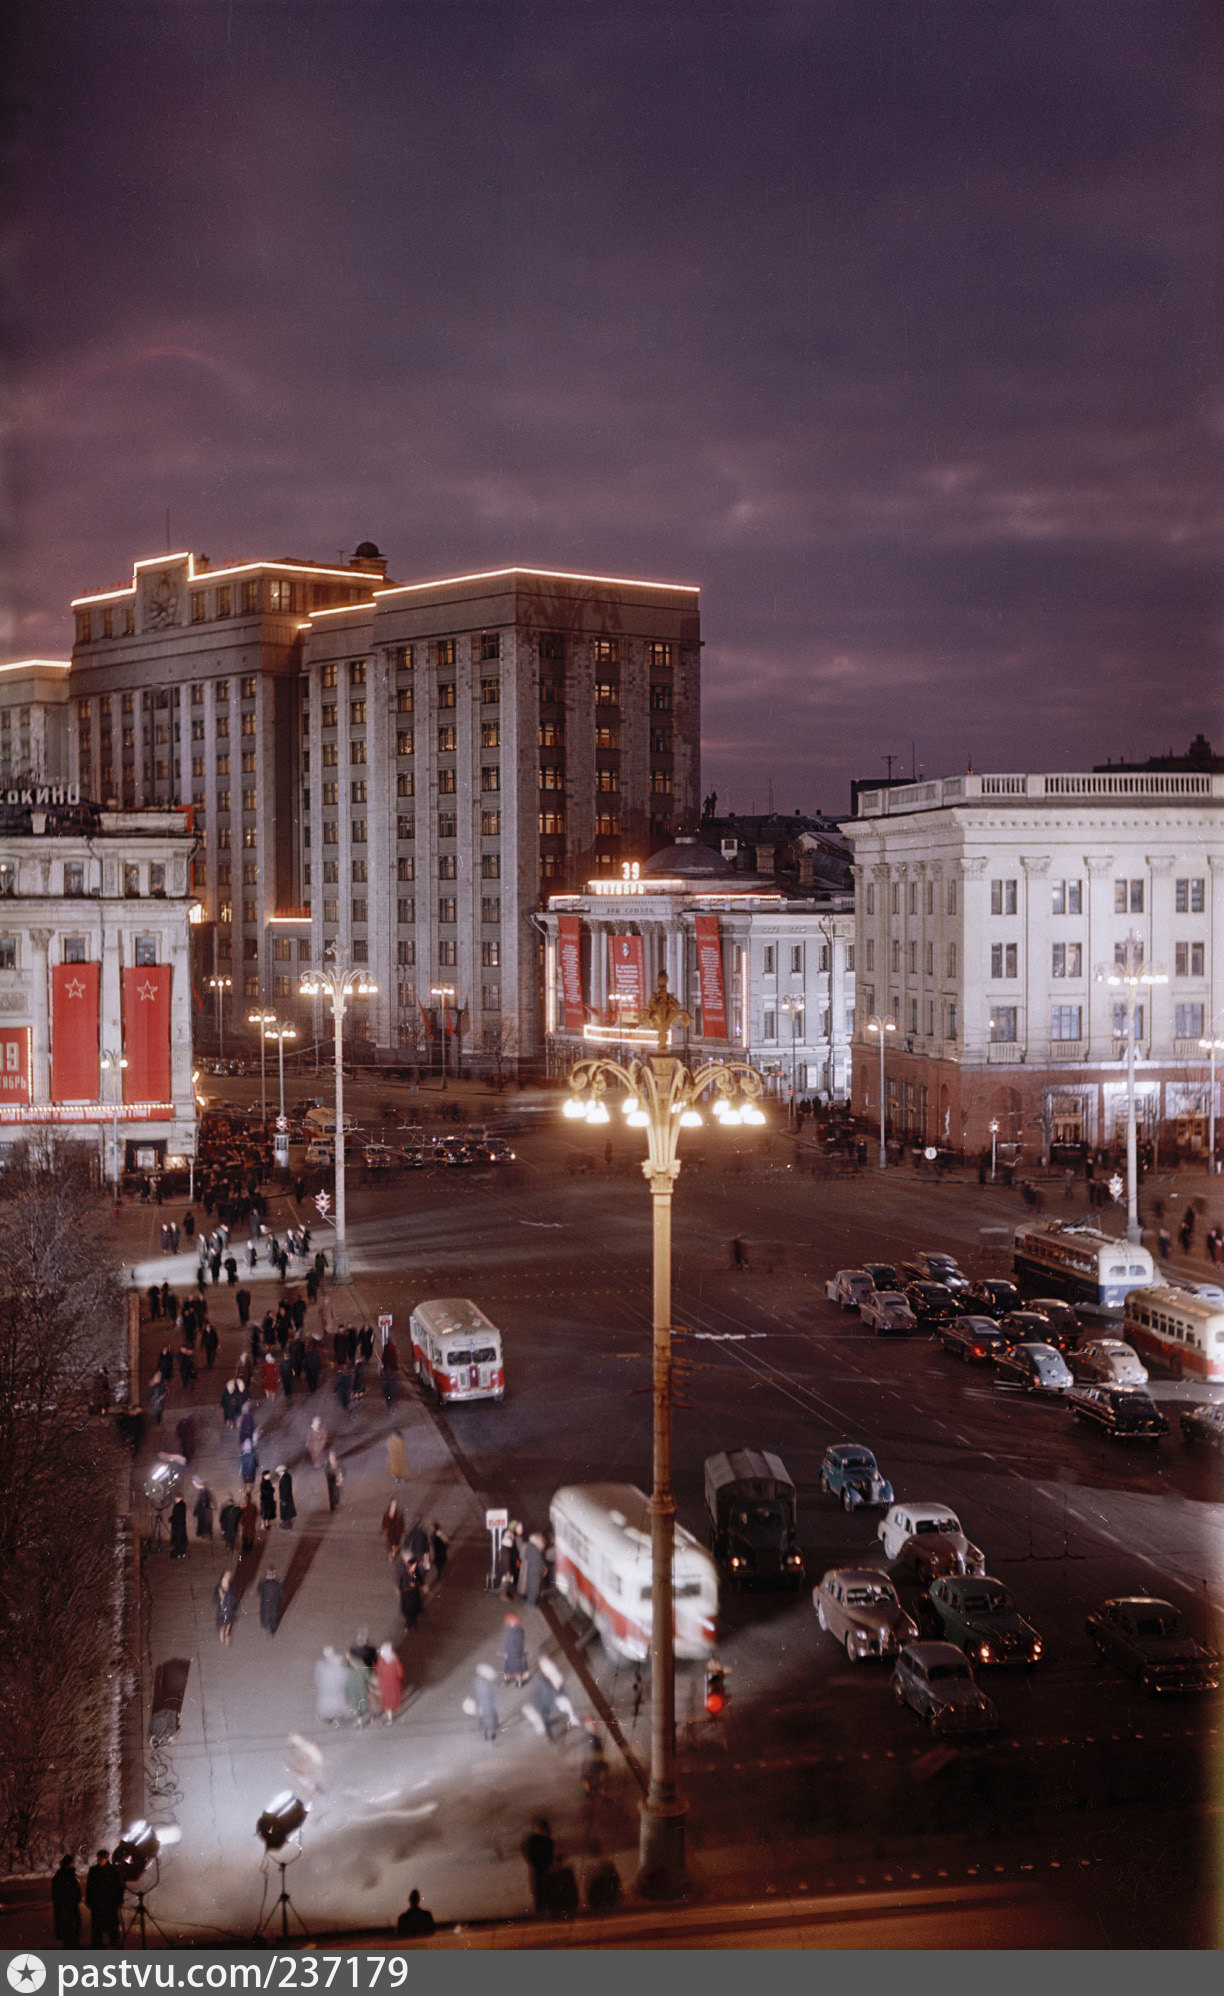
(341, 1269)
(661, 1872)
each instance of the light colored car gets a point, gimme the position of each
(1110, 1362)
(886, 1312)
(914, 1521)
(320, 1153)
(937, 1683)
(850, 1288)
(1036, 1367)
(859, 1608)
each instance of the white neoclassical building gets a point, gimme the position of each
(991, 911)
(763, 976)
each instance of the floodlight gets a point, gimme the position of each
(135, 1851)
(284, 1814)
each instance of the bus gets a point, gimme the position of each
(602, 1533)
(1181, 1331)
(1076, 1262)
(456, 1350)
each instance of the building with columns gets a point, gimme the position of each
(763, 976)
(990, 911)
(35, 744)
(95, 985)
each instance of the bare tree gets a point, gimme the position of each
(500, 1045)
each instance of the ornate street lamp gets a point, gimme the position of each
(220, 985)
(882, 1026)
(1211, 1047)
(445, 995)
(1127, 974)
(114, 1063)
(339, 982)
(263, 1020)
(280, 1031)
(660, 1096)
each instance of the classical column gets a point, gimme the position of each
(40, 1017)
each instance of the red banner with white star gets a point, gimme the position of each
(146, 1034)
(74, 1032)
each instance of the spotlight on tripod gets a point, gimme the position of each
(282, 1819)
(137, 1849)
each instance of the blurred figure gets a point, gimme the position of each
(66, 1903)
(202, 1510)
(103, 1896)
(357, 1687)
(484, 1697)
(513, 1651)
(331, 1695)
(392, 1527)
(416, 1920)
(538, 1851)
(178, 1529)
(225, 1599)
(317, 1439)
(288, 1509)
(335, 1479)
(397, 1458)
(271, 1601)
(389, 1672)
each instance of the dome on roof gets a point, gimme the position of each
(688, 859)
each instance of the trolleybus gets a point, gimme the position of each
(1081, 1264)
(1181, 1331)
(602, 1533)
(456, 1350)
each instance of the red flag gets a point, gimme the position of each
(146, 1034)
(710, 978)
(14, 1064)
(447, 1026)
(428, 1022)
(569, 936)
(74, 1031)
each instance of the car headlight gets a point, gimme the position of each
(1037, 1646)
(737, 1562)
(985, 1653)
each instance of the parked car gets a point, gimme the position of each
(414, 1157)
(1205, 1424)
(883, 1274)
(905, 1521)
(933, 1265)
(937, 1683)
(887, 1313)
(993, 1298)
(851, 1472)
(982, 1619)
(498, 1151)
(859, 1607)
(1147, 1639)
(931, 1304)
(849, 1287)
(1109, 1362)
(1038, 1368)
(1061, 1315)
(973, 1339)
(320, 1153)
(1030, 1327)
(1128, 1413)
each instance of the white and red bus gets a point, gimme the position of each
(602, 1533)
(1181, 1331)
(456, 1351)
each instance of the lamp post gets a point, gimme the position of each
(795, 1008)
(882, 1026)
(1127, 974)
(219, 985)
(114, 1063)
(338, 982)
(1211, 1047)
(660, 1091)
(443, 993)
(994, 1147)
(263, 1020)
(280, 1031)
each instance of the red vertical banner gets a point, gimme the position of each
(626, 977)
(146, 1034)
(710, 978)
(569, 934)
(14, 1064)
(75, 989)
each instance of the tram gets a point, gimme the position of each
(602, 1533)
(1182, 1332)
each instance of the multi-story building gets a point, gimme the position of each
(991, 912)
(95, 989)
(401, 770)
(35, 746)
(763, 976)
(186, 689)
(469, 746)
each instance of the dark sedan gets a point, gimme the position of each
(1033, 1327)
(993, 1298)
(882, 1273)
(931, 1303)
(1148, 1639)
(1036, 1367)
(976, 1340)
(1128, 1413)
(1205, 1424)
(1061, 1317)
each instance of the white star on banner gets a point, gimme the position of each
(146, 990)
(75, 987)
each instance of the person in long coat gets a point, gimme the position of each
(312, 1366)
(331, 1698)
(392, 1527)
(397, 1458)
(334, 1477)
(271, 1601)
(267, 1499)
(202, 1509)
(66, 1903)
(156, 1397)
(178, 1529)
(317, 1440)
(439, 1549)
(532, 1568)
(357, 1687)
(288, 1509)
(389, 1673)
(249, 1524)
(248, 1465)
(246, 1425)
(513, 1651)
(271, 1376)
(484, 1696)
(410, 1597)
(225, 1598)
(230, 1520)
(229, 1402)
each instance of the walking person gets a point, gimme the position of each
(230, 1521)
(267, 1500)
(225, 1601)
(248, 1523)
(103, 1896)
(439, 1549)
(397, 1458)
(389, 1675)
(66, 1903)
(271, 1602)
(410, 1595)
(532, 1570)
(357, 1687)
(288, 1509)
(484, 1700)
(230, 1403)
(513, 1651)
(331, 1698)
(538, 1851)
(209, 1342)
(178, 1529)
(317, 1441)
(202, 1509)
(392, 1527)
(157, 1397)
(334, 1476)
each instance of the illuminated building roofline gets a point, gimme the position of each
(210, 574)
(549, 575)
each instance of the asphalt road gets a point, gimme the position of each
(1089, 1777)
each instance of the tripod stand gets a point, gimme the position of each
(286, 1907)
(142, 1920)
(157, 1536)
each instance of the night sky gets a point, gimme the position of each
(896, 327)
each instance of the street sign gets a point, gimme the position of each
(384, 1328)
(496, 1521)
(323, 1203)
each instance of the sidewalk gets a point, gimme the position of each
(423, 1802)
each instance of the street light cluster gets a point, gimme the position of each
(726, 1112)
(339, 982)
